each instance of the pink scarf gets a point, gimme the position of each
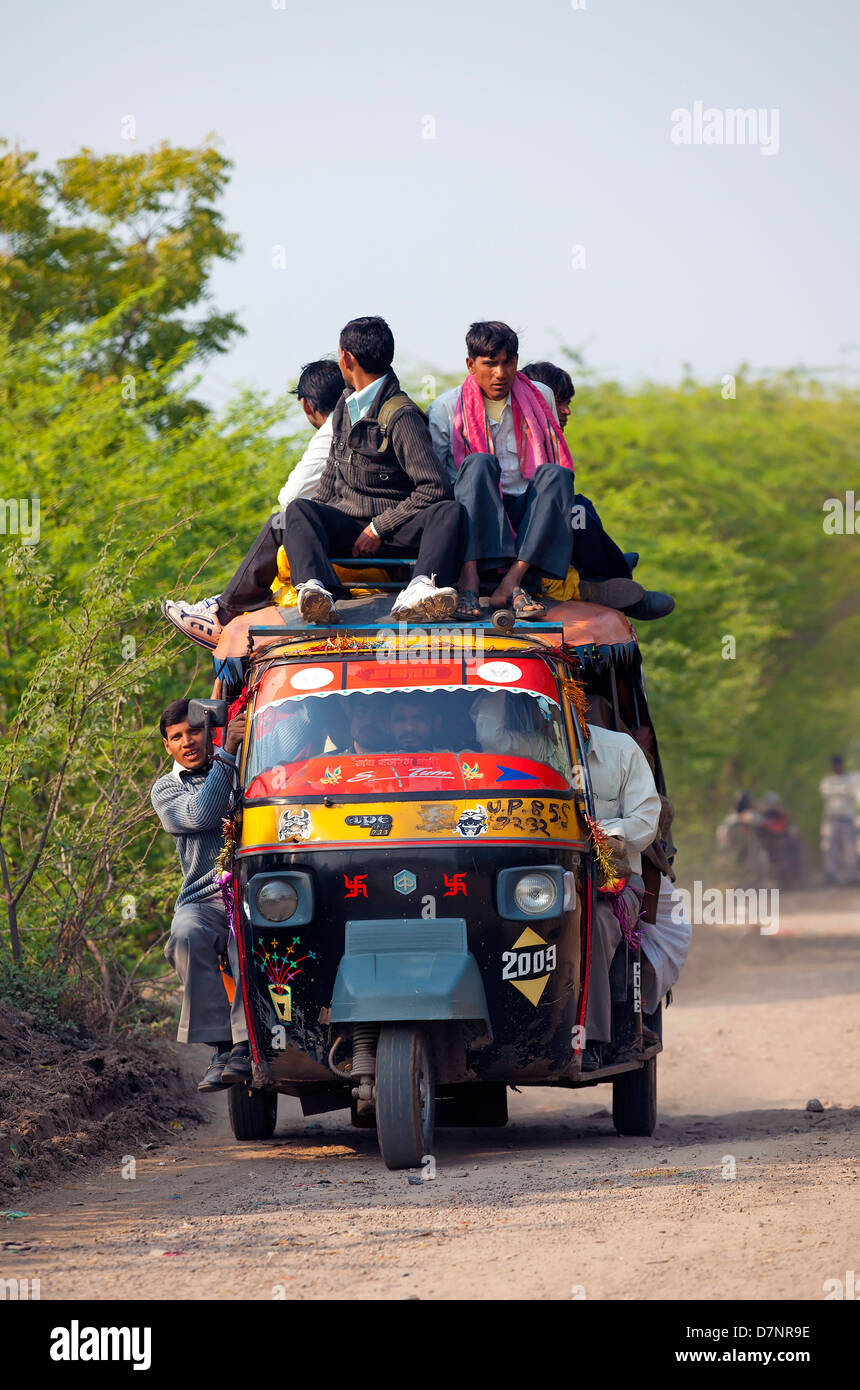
(538, 434)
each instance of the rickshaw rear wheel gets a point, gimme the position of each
(405, 1094)
(253, 1114)
(634, 1093)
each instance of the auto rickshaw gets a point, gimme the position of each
(412, 872)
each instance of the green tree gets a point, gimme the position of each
(80, 240)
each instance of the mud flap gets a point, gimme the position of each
(408, 970)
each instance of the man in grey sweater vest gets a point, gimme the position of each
(191, 801)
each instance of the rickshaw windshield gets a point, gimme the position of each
(504, 722)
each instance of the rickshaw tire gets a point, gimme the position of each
(253, 1114)
(634, 1100)
(404, 1114)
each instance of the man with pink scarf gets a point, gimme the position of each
(499, 437)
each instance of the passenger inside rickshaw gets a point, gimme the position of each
(513, 722)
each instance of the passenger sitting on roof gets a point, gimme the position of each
(596, 555)
(382, 493)
(319, 389)
(499, 437)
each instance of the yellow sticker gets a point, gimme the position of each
(529, 964)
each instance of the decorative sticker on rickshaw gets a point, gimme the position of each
(454, 884)
(331, 776)
(529, 964)
(376, 824)
(472, 822)
(499, 672)
(405, 882)
(294, 825)
(355, 886)
(280, 963)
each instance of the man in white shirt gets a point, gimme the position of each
(627, 806)
(839, 792)
(319, 389)
(499, 439)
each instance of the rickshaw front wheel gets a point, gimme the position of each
(253, 1114)
(405, 1094)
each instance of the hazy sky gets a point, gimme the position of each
(553, 130)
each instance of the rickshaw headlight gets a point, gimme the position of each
(277, 900)
(536, 894)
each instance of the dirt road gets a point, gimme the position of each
(741, 1193)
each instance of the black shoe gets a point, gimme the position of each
(612, 593)
(592, 1057)
(238, 1068)
(652, 604)
(212, 1079)
(631, 558)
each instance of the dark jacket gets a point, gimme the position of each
(384, 485)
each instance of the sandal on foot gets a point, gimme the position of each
(467, 604)
(525, 606)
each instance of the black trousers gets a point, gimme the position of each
(533, 526)
(595, 553)
(311, 532)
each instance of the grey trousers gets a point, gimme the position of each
(533, 526)
(606, 937)
(198, 935)
(839, 847)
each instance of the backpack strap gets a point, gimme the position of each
(390, 411)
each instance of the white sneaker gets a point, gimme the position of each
(316, 604)
(422, 602)
(199, 621)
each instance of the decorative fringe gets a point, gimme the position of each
(223, 873)
(630, 928)
(575, 693)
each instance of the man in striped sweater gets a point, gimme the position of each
(191, 801)
(383, 493)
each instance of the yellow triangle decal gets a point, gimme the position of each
(532, 989)
(529, 938)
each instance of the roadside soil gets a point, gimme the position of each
(64, 1102)
(741, 1193)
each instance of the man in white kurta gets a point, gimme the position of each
(627, 806)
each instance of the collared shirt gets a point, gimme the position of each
(840, 792)
(360, 402)
(441, 416)
(626, 800)
(191, 805)
(305, 477)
